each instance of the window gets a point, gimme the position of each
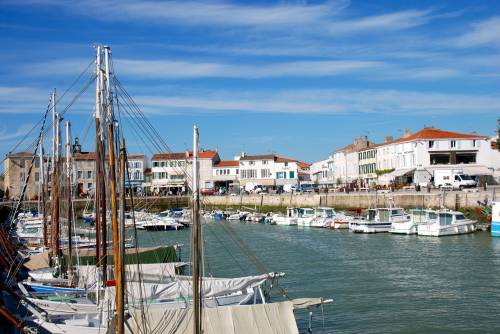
(37, 176)
(237, 171)
(431, 144)
(474, 143)
(89, 174)
(22, 176)
(80, 174)
(453, 143)
(264, 173)
(89, 186)
(281, 175)
(137, 175)
(286, 163)
(155, 164)
(22, 163)
(251, 163)
(292, 174)
(163, 164)
(264, 162)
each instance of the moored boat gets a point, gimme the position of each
(448, 223)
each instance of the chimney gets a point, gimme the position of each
(77, 148)
(388, 139)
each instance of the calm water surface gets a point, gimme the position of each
(380, 283)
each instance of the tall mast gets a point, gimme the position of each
(97, 187)
(102, 171)
(41, 181)
(57, 202)
(70, 202)
(195, 252)
(53, 176)
(112, 190)
(120, 256)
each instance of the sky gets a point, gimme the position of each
(297, 78)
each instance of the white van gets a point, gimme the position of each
(455, 179)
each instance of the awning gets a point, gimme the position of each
(476, 170)
(473, 170)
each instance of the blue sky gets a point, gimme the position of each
(299, 78)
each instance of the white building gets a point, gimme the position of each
(272, 170)
(430, 149)
(323, 172)
(346, 161)
(226, 173)
(172, 172)
(137, 164)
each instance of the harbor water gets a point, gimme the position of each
(380, 283)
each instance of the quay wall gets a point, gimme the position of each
(451, 200)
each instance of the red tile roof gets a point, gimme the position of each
(205, 154)
(84, 156)
(434, 133)
(227, 163)
(20, 154)
(136, 156)
(259, 157)
(303, 164)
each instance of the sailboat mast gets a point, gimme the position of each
(120, 279)
(57, 203)
(70, 203)
(53, 176)
(195, 252)
(97, 188)
(112, 190)
(41, 172)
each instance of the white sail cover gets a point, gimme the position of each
(274, 318)
(151, 272)
(182, 289)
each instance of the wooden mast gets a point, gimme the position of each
(53, 177)
(120, 256)
(57, 200)
(195, 252)
(97, 187)
(113, 202)
(70, 202)
(42, 194)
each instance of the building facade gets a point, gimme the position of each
(431, 148)
(172, 172)
(137, 164)
(16, 170)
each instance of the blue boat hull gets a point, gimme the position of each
(495, 229)
(54, 289)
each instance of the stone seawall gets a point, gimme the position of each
(450, 200)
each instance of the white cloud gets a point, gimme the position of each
(384, 102)
(167, 70)
(485, 33)
(385, 22)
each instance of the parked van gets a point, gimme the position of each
(454, 178)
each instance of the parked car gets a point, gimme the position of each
(208, 191)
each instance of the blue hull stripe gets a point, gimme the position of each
(495, 229)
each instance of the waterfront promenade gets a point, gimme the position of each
(265, 202)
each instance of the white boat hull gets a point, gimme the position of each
(404, 228)
(437, 230)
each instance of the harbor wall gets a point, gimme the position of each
(451, 200)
